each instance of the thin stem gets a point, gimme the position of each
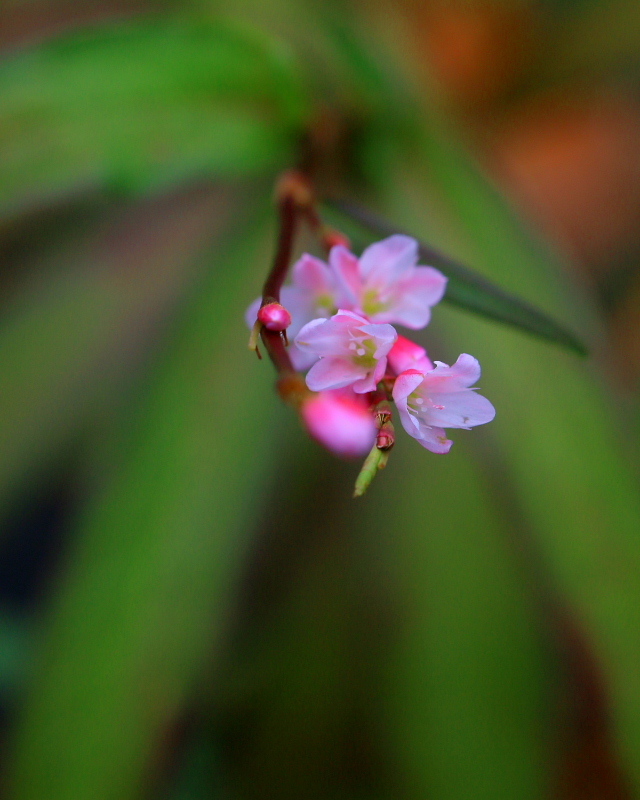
(274, 342)
(287, 209)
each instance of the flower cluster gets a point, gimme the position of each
(342, 317)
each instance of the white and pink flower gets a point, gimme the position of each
(352, 351)
(341, 331)
(442, 398)
(386, 285)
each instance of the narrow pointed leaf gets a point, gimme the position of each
(65, 342)
(142, 105)
(470, 290)
(141, 602)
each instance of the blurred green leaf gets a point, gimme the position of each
(144, 104)
(558, 437)
(466, 692)
(601, 37)
(144, 591)
(470, 290)
(70, 336)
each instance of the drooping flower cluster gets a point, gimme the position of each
(342, 331)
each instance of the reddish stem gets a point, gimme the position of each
(274, 342)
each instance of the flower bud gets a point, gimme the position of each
(406, 354)
(343, 424)
(274, 317)
(333, 238)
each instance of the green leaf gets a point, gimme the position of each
(464, 702)
(469, 290)
(142, 599)
(65, 339)
(144, 104)
(557, 445)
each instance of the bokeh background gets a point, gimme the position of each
(191, 604)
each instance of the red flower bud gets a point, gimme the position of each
(274, 317)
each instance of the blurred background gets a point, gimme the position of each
(191, 604)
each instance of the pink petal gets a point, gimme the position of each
(435, 440)
(406, 383)
(384, 336)
(444, 378)
(387, 261)
(301, 359)
(345, 268)
(333, 373)
(409, 421)
(313, 276)
(406, 354)
(462, 409)
(325, 337)
(370, 381)
(414, 297)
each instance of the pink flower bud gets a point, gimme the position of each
(333, 238)
(406, 354)
(340, 422)
(274, 317)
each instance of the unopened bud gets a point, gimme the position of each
(386, 439)
(341, 423)
(274, 317)
(332, 238)
(406, 354)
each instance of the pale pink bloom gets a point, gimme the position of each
(406, 354)
(340, 421)
(314, 292)
(352, 351)
(386, 285)
(428, 402)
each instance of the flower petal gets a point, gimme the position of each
(414, 297)
(406, 354)
(435, 439)
(462, 375)
(312, 276)
(462, 409)
(325, 337)
(345, 269)
(371, 380)
(333, 373)
(388, 261)
(406, 383)
(384, 335)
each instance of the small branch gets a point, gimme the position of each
(292, 191)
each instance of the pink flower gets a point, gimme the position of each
(314, 293)
(352, 351)
(406, 354)
(430, 401)
(385, 285)
(341, 422)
